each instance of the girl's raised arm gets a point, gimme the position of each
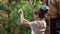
(23, 21)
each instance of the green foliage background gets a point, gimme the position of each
(12, 10)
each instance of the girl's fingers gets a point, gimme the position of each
(20, 11)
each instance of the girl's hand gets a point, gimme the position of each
(21, 15)
(20, 11)
(23, 21)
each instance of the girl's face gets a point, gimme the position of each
(36, 16)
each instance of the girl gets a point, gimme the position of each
(39, 25)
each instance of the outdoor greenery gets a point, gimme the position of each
(12, 8)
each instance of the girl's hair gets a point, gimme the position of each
(41, 12)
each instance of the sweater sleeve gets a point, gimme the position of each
(38, 26)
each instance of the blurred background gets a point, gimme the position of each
(9, 16)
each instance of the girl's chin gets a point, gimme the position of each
(35, 19)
